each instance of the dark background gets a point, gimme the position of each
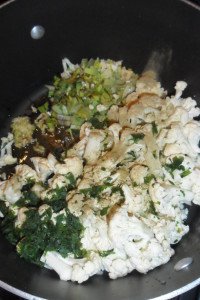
(194, 294)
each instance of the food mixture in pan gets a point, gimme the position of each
(98, 176)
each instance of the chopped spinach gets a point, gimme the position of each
(39, 234)
(136, 137)
(29, 198)
(57, 198)
(8, 227)
(94, 191)
(154, 128)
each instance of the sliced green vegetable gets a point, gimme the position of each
(106, 252)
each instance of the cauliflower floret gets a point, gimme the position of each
(25, 173)
(117, 264)
(179, 115)
(176, 142)
(94, 146)
(72, 165)
(37, 189)
(192, 131)
(191, 106)
(115, 129)
(170, 230)
(148, 257)
(113, 113)
(125, 229)
(21, 217)
(95, 235)
(78, 149)
(6, 157)
(75, 204)
(44, 166)
(167, 199)
(10, 190)
(138, 173)
(85, 130)
(73, 269)
(134, 200)
(58, 181)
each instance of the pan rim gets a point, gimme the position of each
(170, 295)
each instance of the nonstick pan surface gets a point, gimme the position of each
(163, 35)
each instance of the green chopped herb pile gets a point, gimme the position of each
(76, 95)
(54, 229)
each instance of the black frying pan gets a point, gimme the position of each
(164, 34)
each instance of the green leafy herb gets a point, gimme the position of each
(72, 181)
(3, 207)
(106, 252)
(57, 198)
(8, 227)
(117, 189)
(152, 209)
(132, 154)
(98, 124)
(154, 128)
(43, 108)
(91, 83)
(182, 192)
(154, 154)
(104, 211)
(176, 164)
(136, 137)
(40, 234)
(29, 199)
(185, 173)
(94, 191)
(148, 178)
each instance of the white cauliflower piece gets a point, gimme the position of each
(44, 166)
(192, 132)
(37, 189)
(73, 269)
(151, 256)
(85, 130)
(115, 129)
(113, 113)
(167, 199)
(117, 264)
(24, 172)
(125, 228)
(134, 200)
(75, 204)
(21, 217)
(95, 236)
(6, 157)
(94, 146)
(10, 190)
(138, 173)
(72, 165)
